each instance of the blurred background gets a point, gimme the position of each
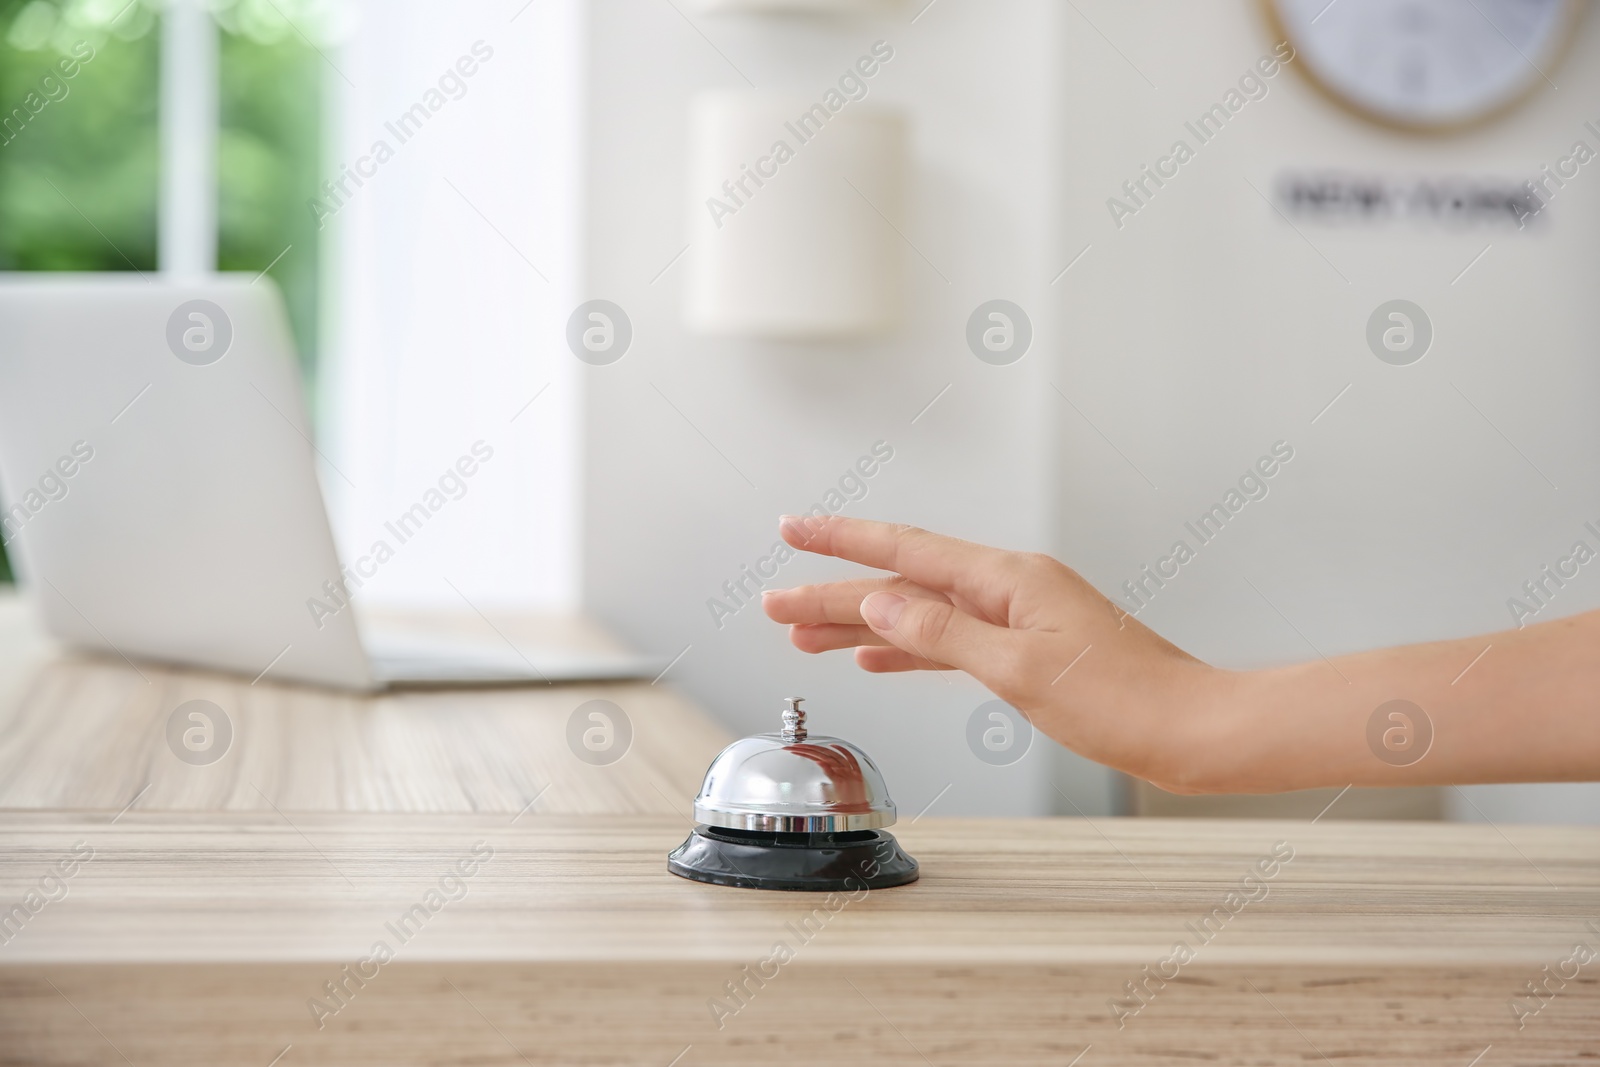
(1177, 329)
(104, 147)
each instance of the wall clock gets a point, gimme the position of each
(1427, 64)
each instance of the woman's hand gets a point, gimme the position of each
(1516, 706)
(1029, 628)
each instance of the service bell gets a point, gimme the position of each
(793, 810)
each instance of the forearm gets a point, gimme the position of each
(1528, 709)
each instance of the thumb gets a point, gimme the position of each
(937, 631)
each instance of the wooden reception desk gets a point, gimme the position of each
(234, 913)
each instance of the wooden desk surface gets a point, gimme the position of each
(1382, 943)
(89, 734)
(222, 903)
(248, 887)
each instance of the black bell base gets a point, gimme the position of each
(817, 863)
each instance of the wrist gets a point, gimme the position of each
(1210, 736)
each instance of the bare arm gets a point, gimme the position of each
(1095, 679)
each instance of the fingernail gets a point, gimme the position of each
(799, 528)
(882, 610)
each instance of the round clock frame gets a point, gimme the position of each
(1565, 34)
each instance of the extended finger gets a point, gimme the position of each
(838, 602)
(827, 636)
(947, 564)
(880, 660)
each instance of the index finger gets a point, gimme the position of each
(984, 575)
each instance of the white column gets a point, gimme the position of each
(189, 121)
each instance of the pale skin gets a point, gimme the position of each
(1095, 679)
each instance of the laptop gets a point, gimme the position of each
(161, 499)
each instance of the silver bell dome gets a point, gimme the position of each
(794, 782)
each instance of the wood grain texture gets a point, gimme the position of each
(201, 939)
(297, 886)
(812, 1015)
(90, 734)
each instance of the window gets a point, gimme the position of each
(424, 298)
(269, 156)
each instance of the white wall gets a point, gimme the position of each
(1193, 338)
(669, 520)
(1206, 329)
